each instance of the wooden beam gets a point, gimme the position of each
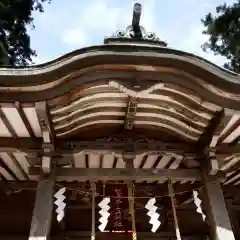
(217, 214)
(69, 147)
(206, 137)
(96, 174)
(42, 213)
(48, 135)
(80, 235)
(233, 215)
(122, 146)
(23, 144)
(24, 119)
(213, 164)
(64, 146)
(226, 149)
(140, 187)
(59, 160)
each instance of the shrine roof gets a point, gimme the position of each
(169, 106)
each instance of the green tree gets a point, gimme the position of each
(223, 30)
(15, 16)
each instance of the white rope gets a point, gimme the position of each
(93, 234)
(171, 193)
(132, 210)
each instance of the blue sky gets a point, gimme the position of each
(67, 25)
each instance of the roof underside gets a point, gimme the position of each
(96, 95)
(170, 108)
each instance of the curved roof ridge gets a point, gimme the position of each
(157, 49)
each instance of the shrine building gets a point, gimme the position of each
(126, 140)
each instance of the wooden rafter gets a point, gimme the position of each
(86, 160)
(7, 124)
(24, 119)
(18, 166)
(228, 132)
(101, 161)
(3, 165)
(72, 162)
(115, 162)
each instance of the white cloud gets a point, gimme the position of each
(102, 19)
(75, 38)
(63, 28)
(40, 59)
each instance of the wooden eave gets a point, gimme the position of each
(181, 111)
(120, 62)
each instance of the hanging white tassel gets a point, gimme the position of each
(153, 214)
(198, 202)
(60, 204)
(173, 200)
(104, 213)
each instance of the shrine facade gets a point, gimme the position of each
(148, 131)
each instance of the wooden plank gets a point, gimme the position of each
(217, 213)
(96, 174)
(42, 213)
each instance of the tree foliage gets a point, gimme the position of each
(15, 16)
(223, 30)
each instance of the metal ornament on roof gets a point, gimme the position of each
(153, 214)
(135, 33)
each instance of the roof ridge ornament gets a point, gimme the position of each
(135, 33)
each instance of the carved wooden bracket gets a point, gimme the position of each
(131, 113)
(48, 148)
(213, 164)
(128, 158)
